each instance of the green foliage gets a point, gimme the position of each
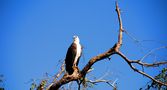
(42, 84)
(33, 86)
(2, 89)
(162, 76)
(1, 82)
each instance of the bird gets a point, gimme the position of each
(73, 55)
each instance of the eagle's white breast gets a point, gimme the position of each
(78, 52)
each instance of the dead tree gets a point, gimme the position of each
(81, 74)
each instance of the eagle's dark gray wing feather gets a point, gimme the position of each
(70, 56)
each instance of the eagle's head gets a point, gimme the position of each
(76, 38)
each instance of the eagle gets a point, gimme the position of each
(73, 55)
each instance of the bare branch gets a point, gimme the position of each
(154, 64)
(140, 63)
(120, 26)
(97, 58)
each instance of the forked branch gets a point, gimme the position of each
(114, 50)
(130, 62)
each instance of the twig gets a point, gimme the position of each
(60, 72)
(57, 75)
(151, 51)
(105, 81)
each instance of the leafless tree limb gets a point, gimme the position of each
(120, 26)
(144, 64)
(80, 75)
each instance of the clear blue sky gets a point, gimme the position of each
(35, 34)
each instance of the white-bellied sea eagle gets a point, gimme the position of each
(73, 55)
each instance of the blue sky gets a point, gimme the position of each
(35, 34)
